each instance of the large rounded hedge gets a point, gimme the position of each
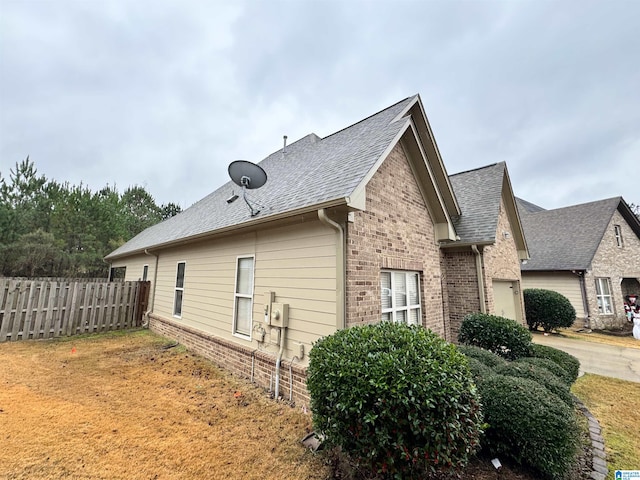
(540, 375)
(397, 399)
(567, 361)
(529, 424)
(502, 336)
(547, 309)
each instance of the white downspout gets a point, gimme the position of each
(279, 362)
(153, 288)
(478, 255)
(340, 269)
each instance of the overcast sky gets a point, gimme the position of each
(165, 94)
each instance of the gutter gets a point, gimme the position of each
(235, 227)
(340, 269)
(478, 255)
(153, 288)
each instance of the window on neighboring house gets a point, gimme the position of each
(401, 297)
(179, 291)
(618, 231)
(145, 272)
(243, 305)
(603, 294)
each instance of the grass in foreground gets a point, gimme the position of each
(116, 406)
(616, 405)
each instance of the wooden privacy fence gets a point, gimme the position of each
(32, 309)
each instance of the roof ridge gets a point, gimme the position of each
(367, 118)
(476, 169)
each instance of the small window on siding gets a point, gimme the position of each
(145, 272)
(400, 296)
(243, 298)
(618, 231)
(603, 295)
(179, 290)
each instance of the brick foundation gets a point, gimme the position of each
(255, 365)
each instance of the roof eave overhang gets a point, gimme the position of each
(514, 217)
(425, 174)
(251, 224)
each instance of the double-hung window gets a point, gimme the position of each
(145, 272)
(400, 292)
(603, 294)
(179, 290)
(243, 297)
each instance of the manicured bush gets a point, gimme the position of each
(500, 335)
(568, 362)
(399, 400)
(488, 358)
(528, 424)
(551, 366)
(478, 369)
(538, 374)
(547, 309)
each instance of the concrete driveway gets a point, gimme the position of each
(598, 358)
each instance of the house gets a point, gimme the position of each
(589, 252)
(357, 227)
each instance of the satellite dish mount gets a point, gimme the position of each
(249, 176)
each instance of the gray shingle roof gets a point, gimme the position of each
(478, 192)
(567, 238)
(313, 171)
(525, 207)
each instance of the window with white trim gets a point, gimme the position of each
(400, 294)
(243, 297)
(145, 272)
(179, 290)
(603, 295)
(618, 231)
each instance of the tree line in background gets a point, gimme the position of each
(52, 229)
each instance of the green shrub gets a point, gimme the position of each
(397, 399)
(478, 369)
(540, 375)
(550, 365)
(488, 358)
(547, 309)
(528, 424)
(500, 335)
(568, 362)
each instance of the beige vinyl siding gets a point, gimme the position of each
(297, 262)
(565, 283)
(135, 266)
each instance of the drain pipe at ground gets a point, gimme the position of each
(279, 361)
(153, 287)
(291, 377)
(478, 255)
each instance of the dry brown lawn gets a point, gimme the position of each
(121, 406)
(600, 337)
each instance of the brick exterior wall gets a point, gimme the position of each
(461, 283)
(395, 232)
(615, 263)
(501, 262)
(255, 365)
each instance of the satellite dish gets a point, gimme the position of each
(247, 174)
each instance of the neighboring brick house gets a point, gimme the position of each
(356, 227)
(588, 252)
